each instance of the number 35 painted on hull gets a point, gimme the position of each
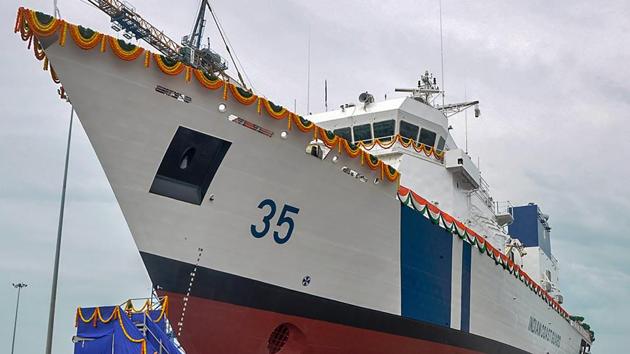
(283, 219)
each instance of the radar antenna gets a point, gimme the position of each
(428, 89)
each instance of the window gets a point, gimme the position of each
(344, 133)
(362, 133)
(427, 137)
(189, 165)
(441, 143)
(384, 130)
(408, 130)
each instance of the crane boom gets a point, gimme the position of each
(126, 17)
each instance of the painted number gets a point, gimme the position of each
(284, 218)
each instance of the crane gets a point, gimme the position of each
(124, 17)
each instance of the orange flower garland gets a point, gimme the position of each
(304, 125)
(42, 24)
(208, 82)
(351, 149)
(29, 23)
(168, 66)
(85, 38)
(276, 112)
(245, 97)
(331, 140)
(124, 50)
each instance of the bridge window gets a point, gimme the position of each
(408, 130)
(362, 133)
(427, 137)
(441, 143)
(384, 130)
(344, 133)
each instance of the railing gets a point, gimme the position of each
(503, 208)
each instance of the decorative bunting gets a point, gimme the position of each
(412, 200)
(243, 96)
(125, 51)
(168, 66)
(42, 24)
(275, 111)
(208, 81)
(85, 38)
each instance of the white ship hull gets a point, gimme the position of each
(345, 252)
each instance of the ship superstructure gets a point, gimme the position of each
(362, 230)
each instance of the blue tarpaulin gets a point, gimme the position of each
(112, 330)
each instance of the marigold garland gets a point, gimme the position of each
(38, 50)
(147, 58)
(351, 149)
(373, 162)
(168, 66)
(125, 51)
(64, 32)
(85, 38)
(304, 125)
(209, 82)
(275, 111)
(42, 24)
(391, 174)
(329, 138)
(29, 22)
(244, 97)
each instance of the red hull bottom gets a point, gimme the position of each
(212, 327)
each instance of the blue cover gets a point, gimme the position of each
(106, 334)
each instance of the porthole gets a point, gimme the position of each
(278, 339)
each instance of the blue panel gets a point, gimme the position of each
(466, 264)
(525, 225)
(528, 228)
(426, 261)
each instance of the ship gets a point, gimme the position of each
(364, 229)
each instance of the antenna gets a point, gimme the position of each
(308, 73)
(326, 94)
(56, 9)
(442, 52)
(466, 119)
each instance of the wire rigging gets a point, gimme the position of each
(227, 46)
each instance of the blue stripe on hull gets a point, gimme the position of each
(426, 262)
(466, 264)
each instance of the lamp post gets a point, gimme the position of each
(53, 291)
(19, 287)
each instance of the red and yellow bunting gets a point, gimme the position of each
(85, 38)
(244, 97)
(124, 50)
(212, 83)
(168, 66)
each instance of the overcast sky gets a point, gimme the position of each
(552, 78)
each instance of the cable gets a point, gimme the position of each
(227, 45)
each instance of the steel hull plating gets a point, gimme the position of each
(347, 238)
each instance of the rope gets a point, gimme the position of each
(227, 46)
